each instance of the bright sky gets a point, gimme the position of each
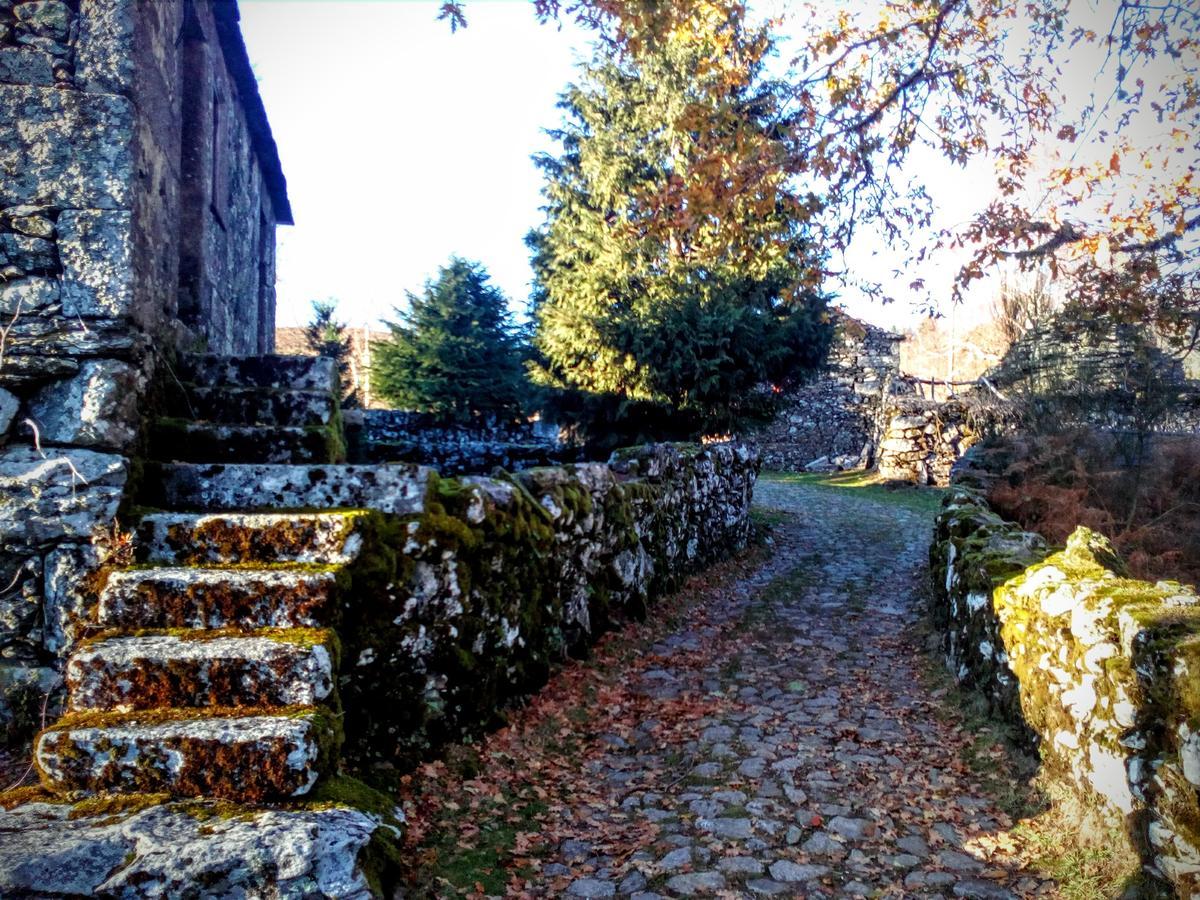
(403, 144)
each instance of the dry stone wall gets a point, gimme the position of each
(1102, 669)
(923, 439)
(466, 602)
(835, 421)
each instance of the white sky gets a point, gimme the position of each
(403, 144)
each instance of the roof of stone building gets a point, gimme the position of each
(233, 47)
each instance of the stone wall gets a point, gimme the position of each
(1103, 670)
(92, 210)
(466, 602)
(922, 439)
(835, 422)
(393, 435)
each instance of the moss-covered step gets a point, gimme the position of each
(122, 847)
(182, 440)
(221, 597)
(248, 756)
(250, 405)
(398, 489)
(269, 668)
(295, 373)
(202, 539)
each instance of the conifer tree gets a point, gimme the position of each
(453, 353)
(327, 337)
(651, 332)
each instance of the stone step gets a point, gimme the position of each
(263, 669)
(396, 489)
(295, 373)
(250, 406)
(247, 757)
(180, 440)
(200, 539)
(137, 847)
(235, 597)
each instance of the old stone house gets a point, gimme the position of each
(140, 189)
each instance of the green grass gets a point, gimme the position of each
(868, 486)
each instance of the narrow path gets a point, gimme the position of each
(775, 739)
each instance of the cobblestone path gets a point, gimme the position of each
(820, 766)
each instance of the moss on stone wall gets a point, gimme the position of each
(450, 614)
(1101, 668)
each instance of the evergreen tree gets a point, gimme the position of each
(327, 337)
(671, 328)
(453, 353)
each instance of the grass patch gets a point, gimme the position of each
(868, 486)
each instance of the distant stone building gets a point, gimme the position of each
(140, 190)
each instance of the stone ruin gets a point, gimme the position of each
(210, 619)
(862, 412)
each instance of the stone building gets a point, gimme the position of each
(140, 189)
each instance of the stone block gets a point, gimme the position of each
(191, 597)
(94, 247)
(69, 598)
(64, 494)
(265, 669)
(9, 405)
(20, 607)
(167, 851)
(65, 148)
(29, 254)
(45, 18)
(196, 539)
(236, 757)
(98, 407)
(394, 489)
(104, 58)
(24, 65)
(28, 295)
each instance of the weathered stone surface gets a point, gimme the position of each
(44, 18)
(22, 65)
(64, 494)
(397, 489)
(261, 669)
(94, 247)
(98, 407)
(251, 406)
(50, 141)
(193, 597)
(104, 60)
(205, 442)
(246, 757)
(295, 373)
(8, 412)
(20, 608)
(195, 539)
(42, 349)
(29, 254)
(28, 295)
(69, 597)
(168, 852)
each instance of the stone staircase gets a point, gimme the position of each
(212, 669)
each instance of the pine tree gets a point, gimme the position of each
(653, 330)
(454, 353)
(327, 337)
